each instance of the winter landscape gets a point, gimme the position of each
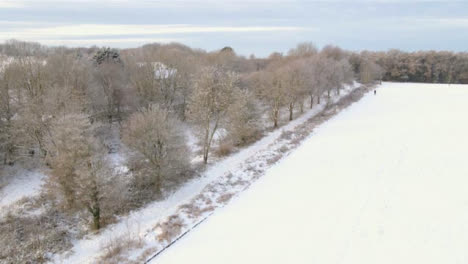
(395, 193)
(193, 131)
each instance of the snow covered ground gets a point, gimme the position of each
(384, 181)
(26, 184)
(141, 222)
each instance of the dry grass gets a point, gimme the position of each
(30, 239)
(117, 248)
(283, 149)
(194, 211)
(223, 199)
(274, 159)
(169, 229)
(224, 148)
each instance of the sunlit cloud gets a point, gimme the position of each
(92, 30)
(120, 35)
(116, 30)
(114, 42)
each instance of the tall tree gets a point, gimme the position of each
(9, 134)
(272, 90)
(69, 146)
(156, 137)
(210, 101)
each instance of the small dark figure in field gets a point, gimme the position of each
(375, 92)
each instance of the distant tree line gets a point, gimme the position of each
(420, 66)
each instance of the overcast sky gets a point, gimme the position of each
(251, 27)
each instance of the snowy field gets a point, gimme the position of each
(384, 181)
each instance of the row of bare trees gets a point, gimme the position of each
(305, 72)
(68, 108)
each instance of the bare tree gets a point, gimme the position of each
(369, 71)
(293, 77)
(142, 77)
(162, 77)
(210, 101)
(8, 109)
(110, 92)
(69, 147)
(69, 78)
(243, 117)
(303, 50)
(157, 138)
(34, 82)
(272, 91)
(97, 189)
(316, 77)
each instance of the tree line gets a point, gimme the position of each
(67, 109)
(420, 66)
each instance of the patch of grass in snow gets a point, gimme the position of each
(225, 147)
(167, 230)
(29, 238)
(115, 248)
(198, 206)
(223, 199)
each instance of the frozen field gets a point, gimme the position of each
(385, 181)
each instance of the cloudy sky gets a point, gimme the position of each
(250, 26)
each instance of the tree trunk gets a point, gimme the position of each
(205, 157)
(311, 101)
(275, 118)
(291, 108)
(94, 207)
(318, 99)
(208, 139)
(158, 183)
(9, 156)
(157, 177)
(97, 218)
(205, 144)
(183, 109)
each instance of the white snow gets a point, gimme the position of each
(117, 161)
(384, 181)
(143, 220)
(25, 184)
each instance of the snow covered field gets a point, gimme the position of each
(384, 181)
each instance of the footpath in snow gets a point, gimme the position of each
(142, 222)
(384, 181)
